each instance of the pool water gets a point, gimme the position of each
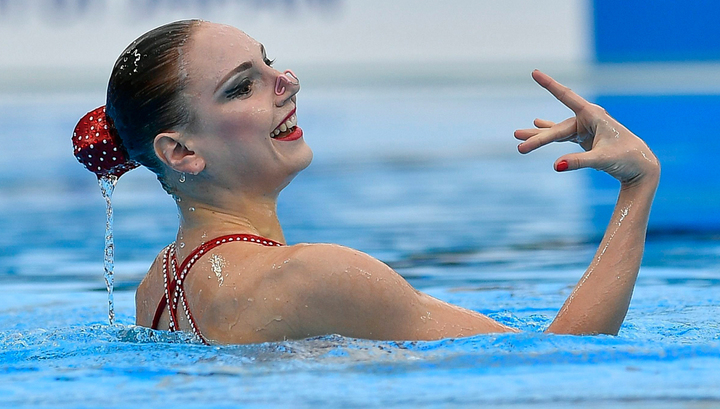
(429, 183)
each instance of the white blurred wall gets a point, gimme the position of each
(330, 40)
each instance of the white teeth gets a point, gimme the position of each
(290, 123)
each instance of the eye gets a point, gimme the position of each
(242, 89)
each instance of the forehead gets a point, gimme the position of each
(214, 49)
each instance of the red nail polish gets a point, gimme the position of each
(561, 166)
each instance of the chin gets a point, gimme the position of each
(301, 160)
(308, 158)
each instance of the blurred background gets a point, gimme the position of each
(334, 42)
(410, 107)
(413, 87)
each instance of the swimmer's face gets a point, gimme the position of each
(231, 88)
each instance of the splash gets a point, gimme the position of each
(107, 185)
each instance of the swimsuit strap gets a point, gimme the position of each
(169, 286)
(176, 285)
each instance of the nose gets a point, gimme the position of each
(287, 84)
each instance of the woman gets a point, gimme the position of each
(200, 105)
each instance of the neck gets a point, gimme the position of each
(200, 222)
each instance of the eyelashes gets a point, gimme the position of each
(265, 58)
(243, 88)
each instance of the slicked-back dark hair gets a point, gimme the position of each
(145, 91)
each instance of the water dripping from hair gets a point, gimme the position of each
(107, 186)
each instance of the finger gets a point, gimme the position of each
(573, 161)
(543, 123)
(561, 92)
(560, 131)
(524, 134)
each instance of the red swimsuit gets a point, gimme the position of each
(174, 282)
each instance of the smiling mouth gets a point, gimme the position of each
(286, 127)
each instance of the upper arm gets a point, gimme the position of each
(344, 291)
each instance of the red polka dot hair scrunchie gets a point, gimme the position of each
(97, 145)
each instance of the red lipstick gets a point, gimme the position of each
(297, 133)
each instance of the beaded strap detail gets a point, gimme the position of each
(175, 287)
(166, 281)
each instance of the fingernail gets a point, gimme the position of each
(561, 166)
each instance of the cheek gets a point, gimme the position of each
(249, 123)
(244, 136)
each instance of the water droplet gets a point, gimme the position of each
(182, 178)
(192, 209)
(217, 263)
(182, 245)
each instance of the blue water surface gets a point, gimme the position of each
(432, 185)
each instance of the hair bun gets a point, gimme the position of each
(97, 145)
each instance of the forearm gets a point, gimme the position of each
(599, 302)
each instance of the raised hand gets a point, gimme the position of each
(608, 145)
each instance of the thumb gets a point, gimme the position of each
(574, 161)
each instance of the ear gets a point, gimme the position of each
(176, 155)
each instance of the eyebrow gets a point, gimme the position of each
(240, 68)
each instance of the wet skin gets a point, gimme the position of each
(247, 293)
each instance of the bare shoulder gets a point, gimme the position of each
(148, 293)
(305, 290)
(301, 270)
(298, 291)
(331, 270)
(299, 266)
(346, 291)
(342, 290)
(329, 258)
